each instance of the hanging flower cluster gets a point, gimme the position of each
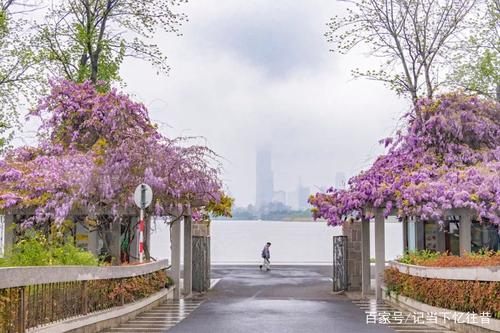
(449, 159)
(94, 149)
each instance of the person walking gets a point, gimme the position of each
(266, 255)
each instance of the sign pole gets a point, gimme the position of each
(141, 236)
(143, 197)
(141, 224)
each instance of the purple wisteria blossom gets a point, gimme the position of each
(94, 149)
(448, 160)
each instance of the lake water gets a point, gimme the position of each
(240, 242)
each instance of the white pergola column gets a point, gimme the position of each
(365, 257)
(114, 236)
(188, 255)
(419, 234)
(465, 232)
(175, 238)
(405, 234)
(8, 236)
(379, 252)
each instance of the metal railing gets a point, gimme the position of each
(35, 296)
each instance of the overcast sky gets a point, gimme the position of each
(251, 73)
(259, 73)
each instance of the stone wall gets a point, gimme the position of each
(201, 256)
(352, 229)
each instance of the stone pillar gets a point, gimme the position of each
(93, 241)
(465, 232)
(147, 238)
(405, 234)
(419, 234)
(379, 252)
(201, 257)
(352, 229)
(175, 238)
(8, 239)
(441, 241)
(134, 245)
(365, 257)
(188, 255)
(114, 241)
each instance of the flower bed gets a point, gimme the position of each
(459, 295)
(437, 259)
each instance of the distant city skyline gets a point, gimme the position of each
(297, 198)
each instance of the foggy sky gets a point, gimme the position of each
(259, 73)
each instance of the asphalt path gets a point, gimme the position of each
(287, 299)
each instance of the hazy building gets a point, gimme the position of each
(279, 196)
(264, 178)
(303, 193)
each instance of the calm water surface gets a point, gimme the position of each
(292, 242)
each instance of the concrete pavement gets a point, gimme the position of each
(288, 299)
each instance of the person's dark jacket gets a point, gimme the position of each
(265, 252)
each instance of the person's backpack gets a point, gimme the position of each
(263, 254)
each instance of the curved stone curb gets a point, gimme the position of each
(415, 306)
(476, 273)
(98, 321)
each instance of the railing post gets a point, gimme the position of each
(22, 310)
(85, 298)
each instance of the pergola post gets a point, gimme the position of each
(175, 237)
(365, 257)
(405, 234)
(419, 234)
(379, 252)
(114, 237)
(188, 255)
(147, 238)
(8, 238)
(465, 232)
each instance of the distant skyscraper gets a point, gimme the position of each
(303, 193)
(340, 181)
(264, 178)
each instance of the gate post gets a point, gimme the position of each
(353, 231)
(340, 267)
(201, 257)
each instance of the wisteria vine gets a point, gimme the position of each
(94, 149)
(449, 159)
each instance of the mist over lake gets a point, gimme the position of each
(240, 242)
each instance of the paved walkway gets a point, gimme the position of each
(288, 299)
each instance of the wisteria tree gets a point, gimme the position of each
(449, 159)
(94, 148)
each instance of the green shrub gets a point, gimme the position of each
(437, 259)
(414, 257)
(458, 295)
(36, 250)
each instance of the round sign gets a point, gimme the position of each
(143, 196)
